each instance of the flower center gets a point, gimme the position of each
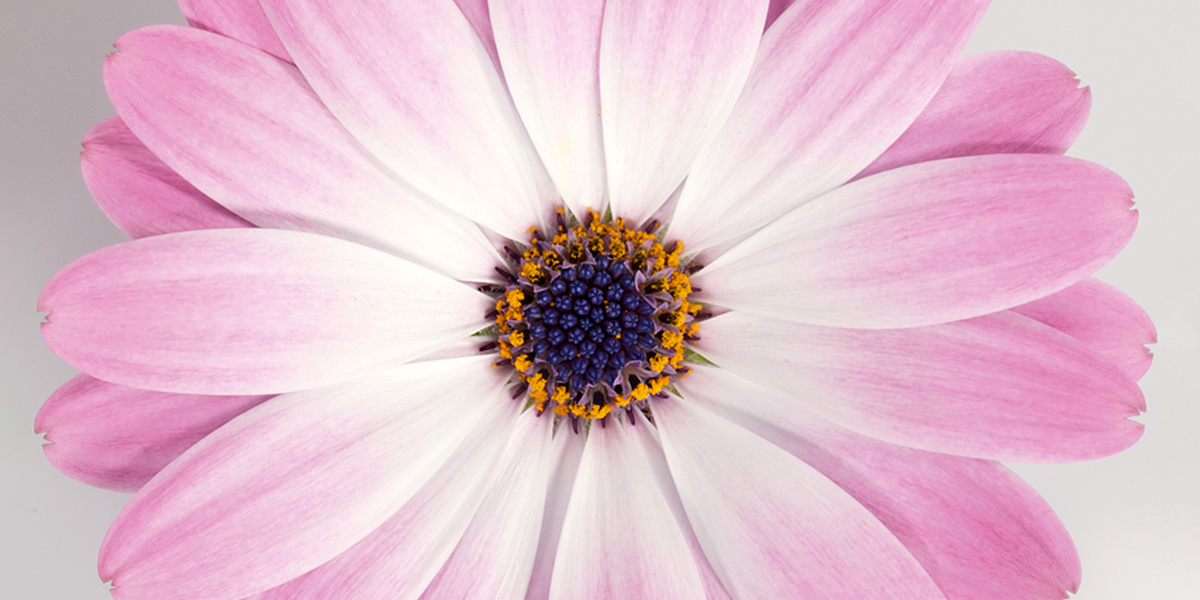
(594, 318)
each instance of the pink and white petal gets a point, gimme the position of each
(411, 80)
(118, 437)
(773, 526)
(775, 10)
(249, 311)
(1001, 387)
(242, 20)
(621, 538)
(976, 528)
(1099, 315)
(551, 52)
(995, 103)
(930, 243)
(404, 554)
(670, 73)
(246, 130)
(479, 16)
(495, 557)
(833, 86)
(568, 451)
(139, 193)
(294, 482)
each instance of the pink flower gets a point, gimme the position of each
(399, 326)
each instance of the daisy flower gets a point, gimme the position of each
(629, 299)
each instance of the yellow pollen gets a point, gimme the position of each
(678, 358)
(672, 339)
(516, 338)
(505, 351)
(658, 362)
(537, 383)
(522, 363)
(641, 392)
(514, 297)
(560, 394)
(673, 257)
(531, 271)
(658, 383)
(616, 249)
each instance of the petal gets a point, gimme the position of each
(411, 80)
(930, 243)
(620, 538)
(1003, 386)
(403, 555)
(294, 482)
(834, 85)
(118, 437)
(248, 311)
(976, 528)
(480, 18)
(1099, 315)
(568, 450)
(774, 527)
(777, 7)
(242, 20)
(495, 557)
(551, 51)
(244, 128)
(139, 193)
(670, 73)
(995, 103)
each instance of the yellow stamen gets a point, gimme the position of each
(560, 394)
(522, 363)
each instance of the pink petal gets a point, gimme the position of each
(976, 528)
(620, 538)
(776, 9)
(930, 243)
(478, 15)
(833, 86)
(118, 437)
(995, 103)
(1099, 315)
(495, 557)
(1003, 386)
(244, 128)
(774, 527)
(411, 80)
(248, 311)
(670, 73)
(551, 51)
(403, 555)
(294, 482)
(242, 20)
(568, 450)
(139, 193)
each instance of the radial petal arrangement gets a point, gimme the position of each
(530, 299)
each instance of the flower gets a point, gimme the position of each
(829, 275)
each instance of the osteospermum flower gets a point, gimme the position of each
(590, 299)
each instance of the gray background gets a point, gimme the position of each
(1135, 517)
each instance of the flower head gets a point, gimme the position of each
(591, 299)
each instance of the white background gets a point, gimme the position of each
(1135, 517)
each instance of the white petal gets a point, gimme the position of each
(550, 51)
(621, 538)
(670, 73)
(774, 527)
